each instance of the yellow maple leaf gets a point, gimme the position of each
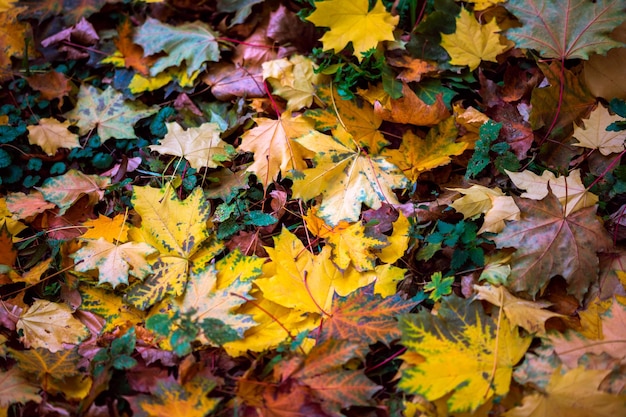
(398, 241)
(593, 134)
(349, 242)
(179, 230)
(574, 393)
(49, 325)
(417, 155)
(114, 262)
(472, 42)
(346, 177)
(529, 315)
(50, 135)
(358, 118)
(353, 21)
(170, 399)
(461, 351)
(110, 229)
(294, 79)
(201, 145)
(275, 150)
(492, 202)
(569, 189)
(109, 305)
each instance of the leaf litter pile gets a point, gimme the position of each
(312, 208)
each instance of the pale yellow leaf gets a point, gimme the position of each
(570, 190)
(529, 315)
(398, 241)
(274, 148)
(593, 134)
(114, 262)
(50, 135)
(201, 145)
(49, 325)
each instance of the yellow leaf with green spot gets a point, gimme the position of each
(237, 266)
(110, 307)
(179, 230)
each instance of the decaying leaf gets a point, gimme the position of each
(49, 325)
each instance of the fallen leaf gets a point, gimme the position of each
(192, 43)
(492, 202)
(571, 394)
(201, 146)
(410, 109)
(16, 388)
(472, 42)
(353, 21)
(49, 325)
(549, 243)
(594, 135)
(275, 148)
(462, 351)
(67, 189)
(530, 315)
(565, 29)
(108, 112)
(114, 262)
(50, 135)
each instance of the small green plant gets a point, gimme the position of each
(486, 147)
(438, 286)
(117, 355)
(462, 238)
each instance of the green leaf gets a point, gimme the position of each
(258, 218)
(439, 286)
(566, 29)
(190, 43)
(488, 133)
(108, 112)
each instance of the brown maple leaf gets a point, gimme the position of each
(549, 243)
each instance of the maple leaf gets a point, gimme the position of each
(179, 231)
(566, 29)
(354, 245)
(109, 306)
(492, 202)
(108, 112)
(49, 368)
(346, 177)
(594, 133)
(365, 317)
(68, 188)
(526, 314)
(16, 388)
(49, 325)
(571, 394)
(549, 243)
(472, 42)
(201, 145)
(187, 399)
(573, 99)
(569, 189)
(357, 117)
(190, 43)
(294, 80)
(398, 241)
(571, 346)
(51, 85)
(129, 54)
(112, 230)
(322, 371)
(417, 155)
(213, 307)
(237, 266)
(411, 109)
(353, 21)
(275, 150)
(50, 135)
(602, 73)
(114, 262)
(463, 351)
